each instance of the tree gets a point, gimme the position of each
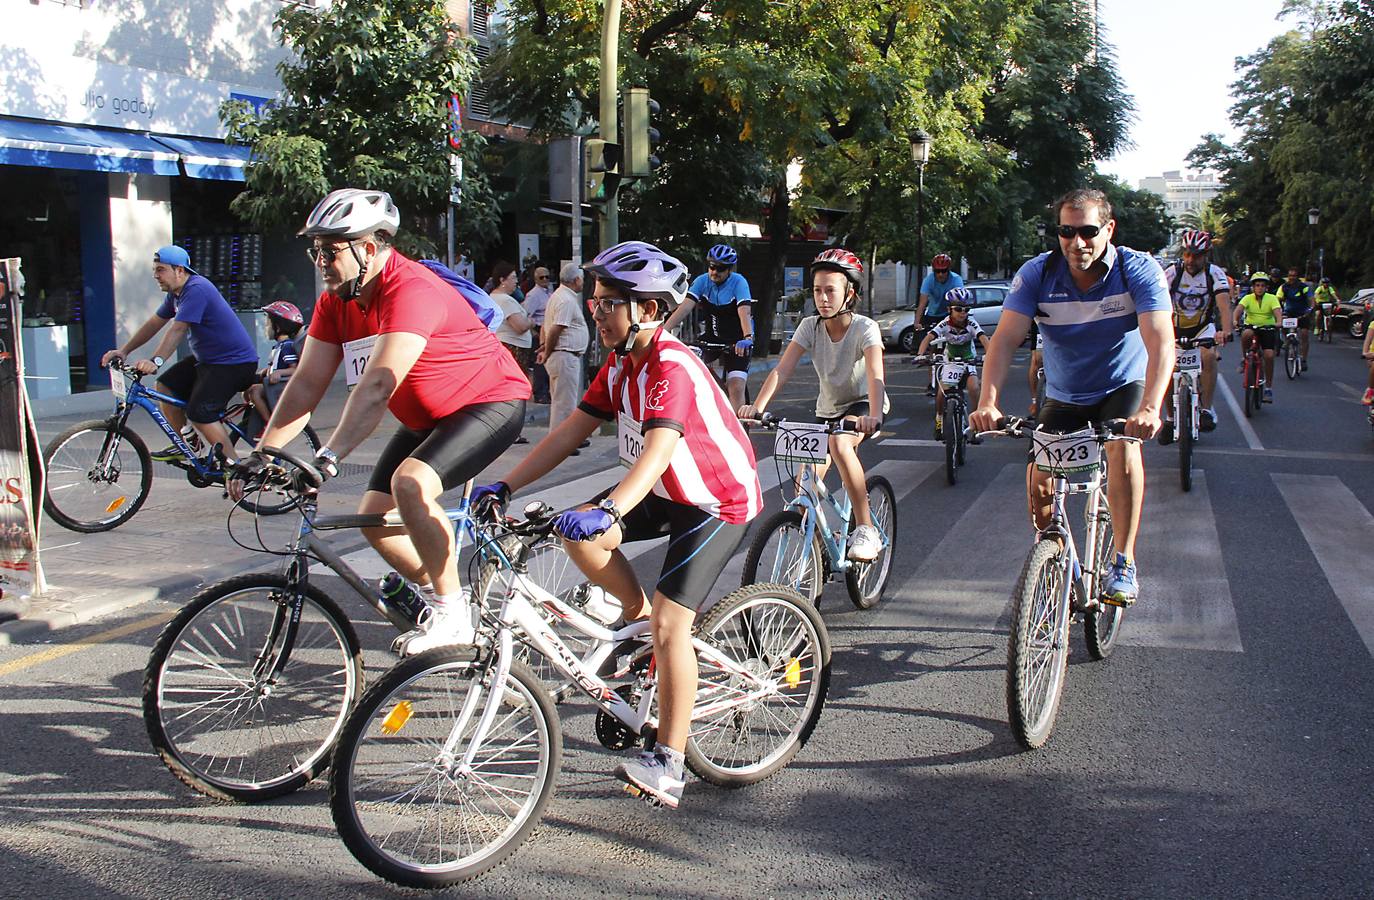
(1142, 222)
(364, 104)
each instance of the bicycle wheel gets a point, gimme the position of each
(867, 581)
(755, 728)
(1290, 358)
(781, 554)
(1183, 428)
(951, 442)
(1102, 622)
(961, 446)
(402, 799)
(218, 721)
(99, 474)
(278, 503)
(1038, 647)
(1249, 390)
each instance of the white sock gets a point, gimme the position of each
(675, 758)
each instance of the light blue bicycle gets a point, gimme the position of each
(803, 545)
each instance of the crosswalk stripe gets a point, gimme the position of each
(1339, 530)
(1246, 429)
(1186, 603)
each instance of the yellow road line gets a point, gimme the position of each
(52, 653)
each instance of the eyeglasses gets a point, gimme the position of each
(606, 307)
(329, 254)
(717, 267)
(1086, 232)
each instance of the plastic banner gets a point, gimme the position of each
(21, 466)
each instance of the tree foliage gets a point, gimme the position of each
(364, 104)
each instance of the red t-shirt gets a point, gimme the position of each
(462, 364)
(713, 466)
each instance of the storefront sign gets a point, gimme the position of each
(21, 472)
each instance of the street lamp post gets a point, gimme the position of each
(1040, 233)
(920, 154)
(1268, 262)
(1313, 216)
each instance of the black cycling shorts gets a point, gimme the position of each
(1304, 321)
(1267, 335)
(207, 389)
(1062, 418)
(729, 360)
(458, 447)
(854, 409)
(699, 546)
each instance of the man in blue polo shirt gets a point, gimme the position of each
(729, 317)
(1105, 315)
(223, 358)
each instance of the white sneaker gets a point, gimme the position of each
(650, 776)
(864, 544)
(448, 625)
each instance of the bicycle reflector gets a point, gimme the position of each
(115, 504)
(792, 674)
(398, 717)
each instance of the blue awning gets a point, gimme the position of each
(211, 159)
(55, 146)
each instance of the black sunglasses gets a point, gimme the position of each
(717, 267)
(328, 253)
(954, 308)
(1086, 232)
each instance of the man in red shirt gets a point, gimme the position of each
(692, 479)
(411, 344)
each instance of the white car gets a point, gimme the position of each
(899, 325)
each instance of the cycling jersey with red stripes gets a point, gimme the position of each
(713, 466)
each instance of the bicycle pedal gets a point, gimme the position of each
(640, 794)
(1121, 603)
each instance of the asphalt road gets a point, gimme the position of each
(1223, 750)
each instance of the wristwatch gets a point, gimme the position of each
(608, 506)
(327, 461)
(158, 361)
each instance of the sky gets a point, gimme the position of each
(1177, 59)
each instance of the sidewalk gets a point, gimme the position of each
(178, 542)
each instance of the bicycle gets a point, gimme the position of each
(1292, 356)
(953, 376)
(1252, 372)
(1055, 584)
(803, 545)
(702, 347)
(94, 484)
(448, 762)
(1186, 396)
(1323, 328)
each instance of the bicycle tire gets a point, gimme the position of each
(1102, 621)
(800, 569)
(283, 504)
(1248, 390)
(752, 740)
(951, 430)
(1035, 681)
(1291, 362)
(866, 581)
(69, 484)
(419, 694)
(1183, 425)
(209, 638)
(961, 447)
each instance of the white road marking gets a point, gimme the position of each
(1239, 415)
(1340, 531)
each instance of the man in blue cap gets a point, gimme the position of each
(223, 358)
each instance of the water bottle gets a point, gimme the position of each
(405, 606)
(598, 604)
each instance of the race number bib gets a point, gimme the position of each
(119, 384)
(1290, 323)
(631, 440)
(951, 374)
(1066, 454)
(802, 442)
(356, 355)
(1189, 360)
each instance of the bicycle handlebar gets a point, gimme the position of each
(772, 422)
(1016, 427)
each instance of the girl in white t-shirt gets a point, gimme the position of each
(847, 352)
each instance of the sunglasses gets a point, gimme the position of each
(1086, 232)
(329, 254)
(716, 267)
(541, 278)
(958, 309)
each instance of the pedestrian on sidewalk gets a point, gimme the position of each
(516, 331)
(536, 302)
(565, 338)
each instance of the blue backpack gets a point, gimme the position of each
(478, 299)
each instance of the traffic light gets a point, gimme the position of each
(641, 137)
(601, 169)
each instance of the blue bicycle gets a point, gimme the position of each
(802, 546)
(100, 471)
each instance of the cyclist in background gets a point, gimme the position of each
(930, 308)
(728, 317)
(1262, 310)
(963, 337)
(692, 479)
(1201, 294)
(1367, 352)
(1037, 362)
(1325, 298)
(847, 352)
(284, 323)
(1296, 296)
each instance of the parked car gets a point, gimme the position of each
(899, 325)
(1353, 315)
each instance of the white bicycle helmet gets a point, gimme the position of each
(351, 213)
(643, 270)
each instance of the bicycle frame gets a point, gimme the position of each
(811, 499)
(147, 399)
(1080, 578)
(1188, 380)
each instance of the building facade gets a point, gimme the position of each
(1183, 193)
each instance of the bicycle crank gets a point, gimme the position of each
(610, 731)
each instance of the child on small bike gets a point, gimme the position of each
(962, 336)
(284, 324)
(847, 352)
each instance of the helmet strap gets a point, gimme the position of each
(355, 285)
(851, 300)
(636, 326)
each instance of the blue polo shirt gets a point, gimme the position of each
(1297, 298)
(1092, 338)
(722, 305)
(217, 337)
(935, 291)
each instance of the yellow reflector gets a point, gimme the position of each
(792, 674)
(115, 504)
(397, 718)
